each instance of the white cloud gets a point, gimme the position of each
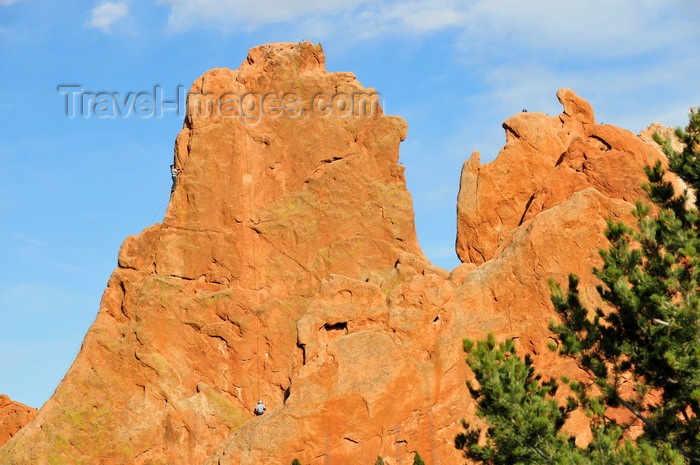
(106, 14)
(367, 18)
(23, 239)
(192, 14)
(598, 27)
(632, 60)
(414, 17)
(8, 2)
(521, 52)
(595, 27)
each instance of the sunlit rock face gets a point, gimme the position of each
(13, 416)
(287, 270)
(545, 160)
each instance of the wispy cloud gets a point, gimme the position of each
(367, 18)
(8, 2)
(593, 27)
(413, 17)
(617, 55)
(193, 14)
(599, 27)
(105, 14)
(24, 240)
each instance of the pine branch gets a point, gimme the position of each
(653, 427)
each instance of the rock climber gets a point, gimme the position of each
(174, 172)
(260, 408)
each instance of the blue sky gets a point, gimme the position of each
(71, 189)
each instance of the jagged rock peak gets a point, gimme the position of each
(304, 56)
(13, 416)
(272, 198)
(287, 270)
(545, 160)
(575, 107)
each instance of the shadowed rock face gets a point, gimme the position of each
(287, 269)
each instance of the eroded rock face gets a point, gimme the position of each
(347, 404)
(545, 160)
(392, 380)
(13, 416)
(198, 322)
(287, 269)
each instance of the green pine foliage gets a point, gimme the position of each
(685, 163)
(649, 332)
(418, 460)
(380, 461)
(523, 419)
(296, 462)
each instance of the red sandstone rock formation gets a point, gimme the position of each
(287, 269)
(13, 416)
(198, 322)
(545, 160)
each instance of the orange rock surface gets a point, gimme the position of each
(13, 416)
(545, 160)
(287, 269)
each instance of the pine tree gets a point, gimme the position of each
(685, 164)
(296, 462)
(418, 460)
(380, 461)
(522, 417)
(649, 330)
(525, 421)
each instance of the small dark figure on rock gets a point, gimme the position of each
(174, 172)
(260, 408)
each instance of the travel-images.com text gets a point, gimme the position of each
(250, 107)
